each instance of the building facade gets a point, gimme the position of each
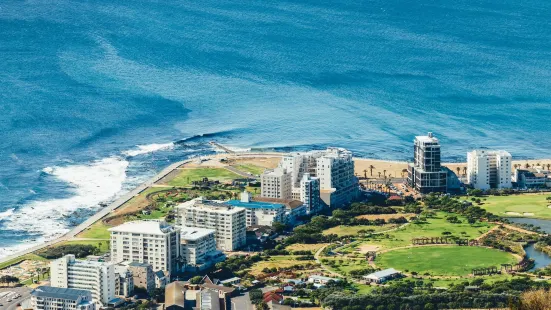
(258, 212)
(227, 221)
(276, 183)
(426, 174)
(310, 193)
(489, 169)
(151, 241)
(143, 275)
(198, 248)
(56, 298)
(335, 171)
(98, 277)
(124, 281)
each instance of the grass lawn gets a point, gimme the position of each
(342, 230)
(256, 170)
(20, 259)
(443, 260)
(524, 205)
(433, 227)
(103, 249)
(188, 175)
(278, 261)
(98, 230)
(345, 265)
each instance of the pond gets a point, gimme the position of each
(541, 259)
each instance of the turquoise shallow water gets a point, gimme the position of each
(84, 82)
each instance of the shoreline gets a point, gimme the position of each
(364, 163)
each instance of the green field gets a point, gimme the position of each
(186, 176)
(433, 227)
(525, 205)
(98, 230)
(443, 260)
(342, 230)
(256, 170)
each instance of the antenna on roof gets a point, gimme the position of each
(430, 134)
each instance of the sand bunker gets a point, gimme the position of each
(528, 214)
(364, 248)
(512, 213)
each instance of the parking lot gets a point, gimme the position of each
(10, 297)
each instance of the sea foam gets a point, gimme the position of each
(149, 148)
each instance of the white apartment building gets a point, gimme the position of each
(489, 169)
(98, 277)
(56, 298)
(228, 222)
(261, 213)
(198, 248)
(151, 241)
(335, 171)
(310, 193)
(124, 281)
(276, 183)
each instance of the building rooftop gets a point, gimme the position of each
(427, 139)
(175, 294)
(138, 264)
(219, 287)
(484, 153)
(382, 273)
(58, 292)
(323, 278)
(256, 204)
(289, 203)
(202, 204)
(153, 227)
(194, 233)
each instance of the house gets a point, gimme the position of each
(288, 287)
(382, 276)
(161, 279)
(260, 234)
(175, 293)
(272, 297)
(319, 281)
(224, 294)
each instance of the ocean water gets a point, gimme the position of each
(96, 95)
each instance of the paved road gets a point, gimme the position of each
(8, 293)
(242, 173)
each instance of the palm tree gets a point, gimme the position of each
(548, 165)
(404, 171)
(379, 174)
(527, 166)
(365, 173)
(515, 165)
(464, 170)
(458, 170)
(384, 173)
(371, 167)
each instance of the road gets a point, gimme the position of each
(9, 292)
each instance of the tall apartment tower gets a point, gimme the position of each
(151, 241)
(310, 193)
(276, 183)
(335, 171)
(97, 277)
(426, 174)
(489, 169)
(228, 222)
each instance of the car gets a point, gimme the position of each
(9, 300)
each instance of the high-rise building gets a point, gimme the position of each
(198, 248)
(98, 277)
(276, 183)
(55, 298)
(150, 241)
(334, 169)
(228, 222)
(426, 175)
(489, 169)
(310, 193)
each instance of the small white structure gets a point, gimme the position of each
(321, 280)
(382, 276)
(198, 248)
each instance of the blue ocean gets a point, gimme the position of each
(96, 96)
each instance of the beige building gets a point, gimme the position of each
(229, 223)
(151, 241)
(276, 183)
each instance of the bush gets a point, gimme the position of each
(79, 250)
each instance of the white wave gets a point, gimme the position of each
(6, 214)
(92, 183)
(149, 148)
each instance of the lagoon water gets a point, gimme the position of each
(94, 94)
